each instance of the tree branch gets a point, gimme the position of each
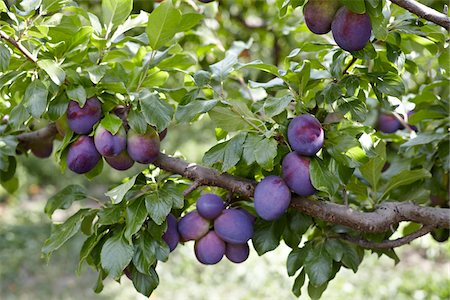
(48, 132)
(389, 244)
(18, 46)
(424, 12)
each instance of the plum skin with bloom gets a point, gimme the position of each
(109, 144)
(272, 197)
(143, 148)
(120, 162)
(351, 31)
(82, 119)
(210, 206)
(82, 155)
(192, 226)
(210, 249)
(388, 123)
(296, 174)
(237, 253)
(305, 135)
(319, 15)
(234, 226)
(171, 235)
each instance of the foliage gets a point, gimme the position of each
(249, 70)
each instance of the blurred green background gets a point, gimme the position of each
(423, 273)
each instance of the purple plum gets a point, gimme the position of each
(305, 135)
(319, 14)
(237, 253)
(192, 226)
(210, 206)
(82, 119)
(296, 174)
(171, 236)
(120, 162)
(210, 249)
(108, 144)
(351, 31)
(143, 148)
(388, 123)
(82, 155)
(272, 198)
(234, 226)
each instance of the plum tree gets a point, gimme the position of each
(171, 235)
(192, 226)
(143, 148)
(210, 206)
(108, 144)
(81, 119)
(237, 253)
(120, 162)
(272, 197)
(351, 31)
(319, 14)
(210, 249)
(296, 174)
(233, 226)
(82, 155)
(305, 135)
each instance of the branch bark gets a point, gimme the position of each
(18, 46)
(424, 12)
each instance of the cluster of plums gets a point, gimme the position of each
(216, 230)
(120, 150)
(350, 30)
(273, 194)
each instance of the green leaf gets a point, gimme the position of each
(116, 254)
(64, 198)
(424, 139)
(334, 249)
(353, 256)
(275, 106)
(318, 266)
(131, 23)
(321, 177)
(158, 207)
(117, 193)
(315, 292)
(35, 99)
(156, 111)
(171, 191)
(298, 284)
(77, 93)
(145, 283)
(50, 6)
(163, 23)
(186, 113)
(265, 153)
(7, 170)
(135, 216)
(112, 123)
(371, 170)
(228, 120)
(110, 215)
(5, 56)
(115, 12)
(57, 75)
(223, 68)
(267, 235)
(188, 21)
(88, 246)
(250, 147)
(145, 252)
(233, 151)
(61, 233)
(403, 178)
(357, 6)
(137, 122)
(296, 259)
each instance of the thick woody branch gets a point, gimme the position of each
(18, 46)
(424, 12)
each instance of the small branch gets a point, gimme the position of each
(192, 188)
(350, 64)
(424, 12)
(389, 244)
(18, 46)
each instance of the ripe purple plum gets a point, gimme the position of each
(42, 149)
(351, 31)
(82, 119)
(296, 174)
(237, 253)
(319, 14)
(305, 135)
(388, 123)
(143, 148)
(82, 155)
(109, 144)
(272, 198)
(171, 236)
(210, 249)
(234, 226)
(192, 226)
(120, 162)
(210, 206)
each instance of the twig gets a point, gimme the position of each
(18, 46)
(350, 64)
(424, 12)
(192, 188)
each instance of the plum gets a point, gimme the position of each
(108, 144)
(171, 236)
(319, 14)
(192, 226)
(237, 253)
(42, 149)
(351, 31)
(210, 249)
(210, 206)
(143, 148)
(388, 123)
(234, 226)
(82, 119)
(305, 135)
(120, 162)
(272, 197)
(251, 217)
(82, 155)
(296, 174)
